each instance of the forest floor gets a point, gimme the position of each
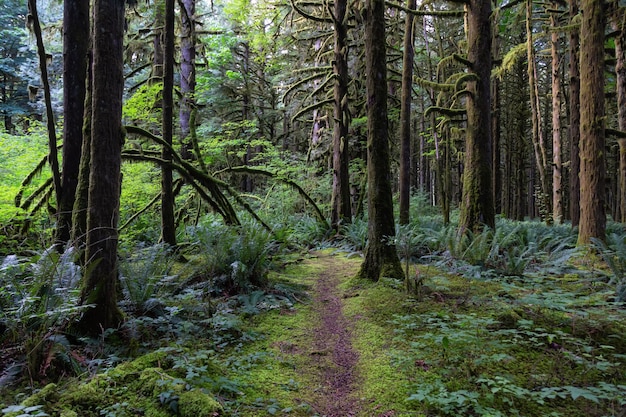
(320, 343)
(334, 357)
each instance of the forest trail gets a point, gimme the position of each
(332, 359)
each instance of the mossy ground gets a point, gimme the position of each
(508, 346)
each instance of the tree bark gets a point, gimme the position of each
(381, 258)
(574, 125)
(592, 123)
(81, 200)
(75, 48)
(187, 75)
(53, 158)
(168, 227)
(557, 165)
(539, 143)
(100, 288)
(405, 114)
(477, 209)
(617, 22)
(341, 201)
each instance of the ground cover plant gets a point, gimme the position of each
(467, 337)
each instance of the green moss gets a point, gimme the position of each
(196, 403)
(47, 394)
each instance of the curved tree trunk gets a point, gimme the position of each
(75, 48)
(592, 124)
(477, 209)
(100, 288)
(53, 158)
(574, 125)
(405, 114)
(381, 258)
(341, 202)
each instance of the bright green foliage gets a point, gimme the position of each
(144, 107)
(19, 155)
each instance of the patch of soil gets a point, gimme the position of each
(332, 355)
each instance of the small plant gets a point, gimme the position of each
(144, 276)
(39, 298)
(614, 254)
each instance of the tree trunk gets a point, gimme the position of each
(592, 123)
(81, 200)
(617, 22)
(539, 143)
(622, 180)
(187, 75)
(53, 158)
(574, 125)
(100, 287)
(477, 208)
(341, 203)
(381, 258)
(168, 227)
(557, 166)
(495, 129)
(75, 48)
(405, 115)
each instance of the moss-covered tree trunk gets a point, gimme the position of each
(557, 164)
(81, 200)
(538, 137)
(75, 47)
(405, 114)
(168, 227)
(496, 137)
(477, 208)
(187, 76)
(381, 258)
(617, 23)
(592, 123)
(574, 118)
(100, 287)
(341, 201)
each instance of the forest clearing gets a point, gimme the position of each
(329, 208)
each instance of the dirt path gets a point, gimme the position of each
(332, 356)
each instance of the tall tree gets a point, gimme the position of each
(408, 54)
(557, 164)
(381, 258)
(168, 227)
(187, 76)
(538, 137)
(592, 123)
(617, 22)
(341, 201)
(100, 288)
(477, 208)
(574, 124)
(75, 48)
(53, 158)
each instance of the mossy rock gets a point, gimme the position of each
(196, 403)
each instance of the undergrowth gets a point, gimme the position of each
(515, 321)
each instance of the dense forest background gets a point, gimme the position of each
(202, 142)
